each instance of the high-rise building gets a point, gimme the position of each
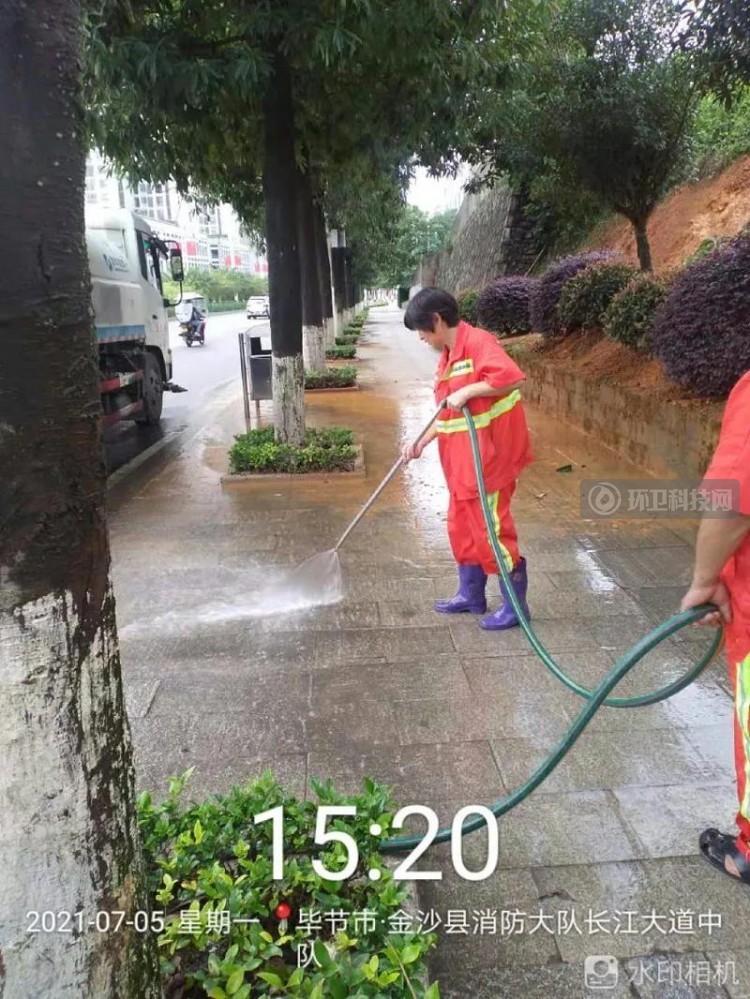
(212, 238)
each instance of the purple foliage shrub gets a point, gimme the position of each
(701, 333)
(545, 318)
(503, 305)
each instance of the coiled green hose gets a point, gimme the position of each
(594, 698)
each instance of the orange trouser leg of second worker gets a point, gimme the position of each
(467, 531)
(740, 674)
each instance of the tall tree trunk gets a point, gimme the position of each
(279, 190)
(642, 245)
(338, 268)
(324, 273)
(70, 840)
(348, 285)
(313, 340)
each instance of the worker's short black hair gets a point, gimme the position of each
(420, 312)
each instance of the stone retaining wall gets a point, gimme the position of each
(663, 437)
(492, 236)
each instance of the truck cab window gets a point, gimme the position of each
(149, 260)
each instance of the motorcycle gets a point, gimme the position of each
(190, 334)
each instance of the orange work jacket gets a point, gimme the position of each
(500, 420)
(731, 460)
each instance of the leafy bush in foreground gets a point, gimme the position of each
(231, 931)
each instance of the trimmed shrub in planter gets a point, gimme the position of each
(344, 377)
(231, 930)
(629, 318)
(585, 297)
(347, 339)
(467, 305)
(323, 450)
(503, 306)
(545, 296)
(341, 353)
(702, 332)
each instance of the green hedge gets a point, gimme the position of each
(323, 450)
(629, 318)
(347, 353)
(585, 297)
(343, 377)
(231, 931)
(468, 305)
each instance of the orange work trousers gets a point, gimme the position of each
(467, 530)
(739, 672)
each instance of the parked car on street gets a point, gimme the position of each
(258, 307)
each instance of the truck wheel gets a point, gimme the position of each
(153, 391)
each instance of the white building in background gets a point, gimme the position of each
(208, 239)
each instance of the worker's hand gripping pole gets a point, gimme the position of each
(384, 483)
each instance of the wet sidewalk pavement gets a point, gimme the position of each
(602, 859)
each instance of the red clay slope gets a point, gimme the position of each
(718, 206)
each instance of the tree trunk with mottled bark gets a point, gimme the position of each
(338, 269)
(279, 190)
(313, 334)
(642, 245)
(324, 274)
(68, 826)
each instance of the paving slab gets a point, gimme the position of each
(671, 904)
(615, 759)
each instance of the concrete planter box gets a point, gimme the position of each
(665, 437)
(252, 478)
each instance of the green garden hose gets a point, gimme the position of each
(594, 698)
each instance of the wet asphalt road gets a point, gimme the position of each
(204, 371)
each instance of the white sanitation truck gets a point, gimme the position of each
(130, 313)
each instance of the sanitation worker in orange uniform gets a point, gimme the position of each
(722, 576)
(474, 370)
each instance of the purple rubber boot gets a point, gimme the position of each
(470, 598)
(505, 617)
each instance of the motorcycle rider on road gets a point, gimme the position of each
(194, 324)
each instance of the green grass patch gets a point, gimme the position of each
(344, 377)
(228, 929)
(346, 353)
(324, 450)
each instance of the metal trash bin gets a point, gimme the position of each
(259, 363)
(257, 373)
